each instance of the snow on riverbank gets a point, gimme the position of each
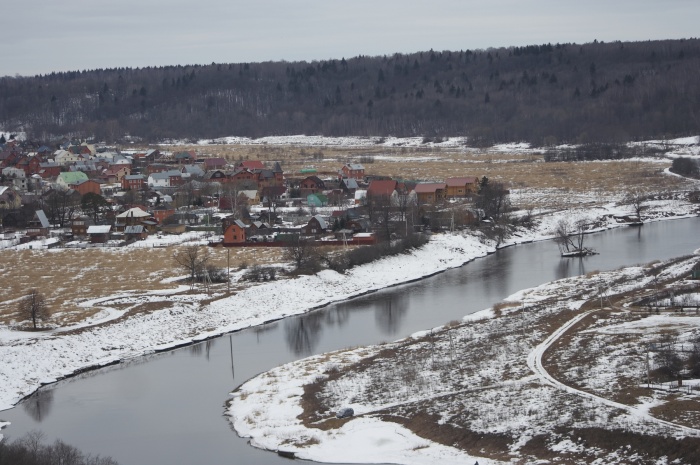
(503, 391)
(30, 362)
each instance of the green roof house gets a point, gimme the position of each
(65, 180)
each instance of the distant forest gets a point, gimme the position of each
(543, 94)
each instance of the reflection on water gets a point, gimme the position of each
(304, 332)
(570, 266)
(38, 406)
(390, 311)
(203, 348)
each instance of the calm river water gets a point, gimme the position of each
(168, 408)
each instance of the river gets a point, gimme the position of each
(168, 408)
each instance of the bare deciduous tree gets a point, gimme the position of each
(34, 307)
(570, 236)
(637, 199)
(303, 253)
(192, 258)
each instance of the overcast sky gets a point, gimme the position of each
(41, 36)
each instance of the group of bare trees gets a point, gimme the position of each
(546, 94)
(31, 450)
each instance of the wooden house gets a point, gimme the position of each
(430, 192)
(461, 187)
(136, 232)
(99, 234)
(315, 227)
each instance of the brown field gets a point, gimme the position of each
(67, 277)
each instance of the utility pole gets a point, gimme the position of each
(228, 270)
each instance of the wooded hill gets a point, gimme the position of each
(543, 94)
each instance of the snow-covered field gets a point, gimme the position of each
(483, 378)
(684, 146)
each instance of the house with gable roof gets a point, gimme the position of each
(461, 187)
(234, 231)
(315, 227)
(214, 163)
(66, 179)
(430, 192)
(352, 170)
(311, 185)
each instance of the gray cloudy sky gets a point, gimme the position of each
(40, 36)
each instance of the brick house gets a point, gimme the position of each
(133, 182)
(161, 213)
(311, 185)
(352, 170)
(87, 185)
(234, 231)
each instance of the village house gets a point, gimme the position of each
(66, 179)
(311, 185)
(461, 187)
(165, 179)
(194, 171)
(210, 164)
(39, 226)
(9, 199)
(49, 170)
(352, 170)
(244, 175)
(30, 164)
(133, 182)
(135, 232)
(381, 190)
(315, 227)
(162, 212)
(131, 217)
(87, 185)
(99, 234)
(17, 177)
(234, 231)
(430, 192)
(216, 176)
(115, 173)
(250, 165)
(185, 158)
(79, 226)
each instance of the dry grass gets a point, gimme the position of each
(68, 277)
(514, 170)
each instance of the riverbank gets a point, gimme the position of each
(176, 320)
(554, 373)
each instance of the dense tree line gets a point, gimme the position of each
(544, 94)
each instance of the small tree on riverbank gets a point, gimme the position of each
(33, 307)
(193, 259)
